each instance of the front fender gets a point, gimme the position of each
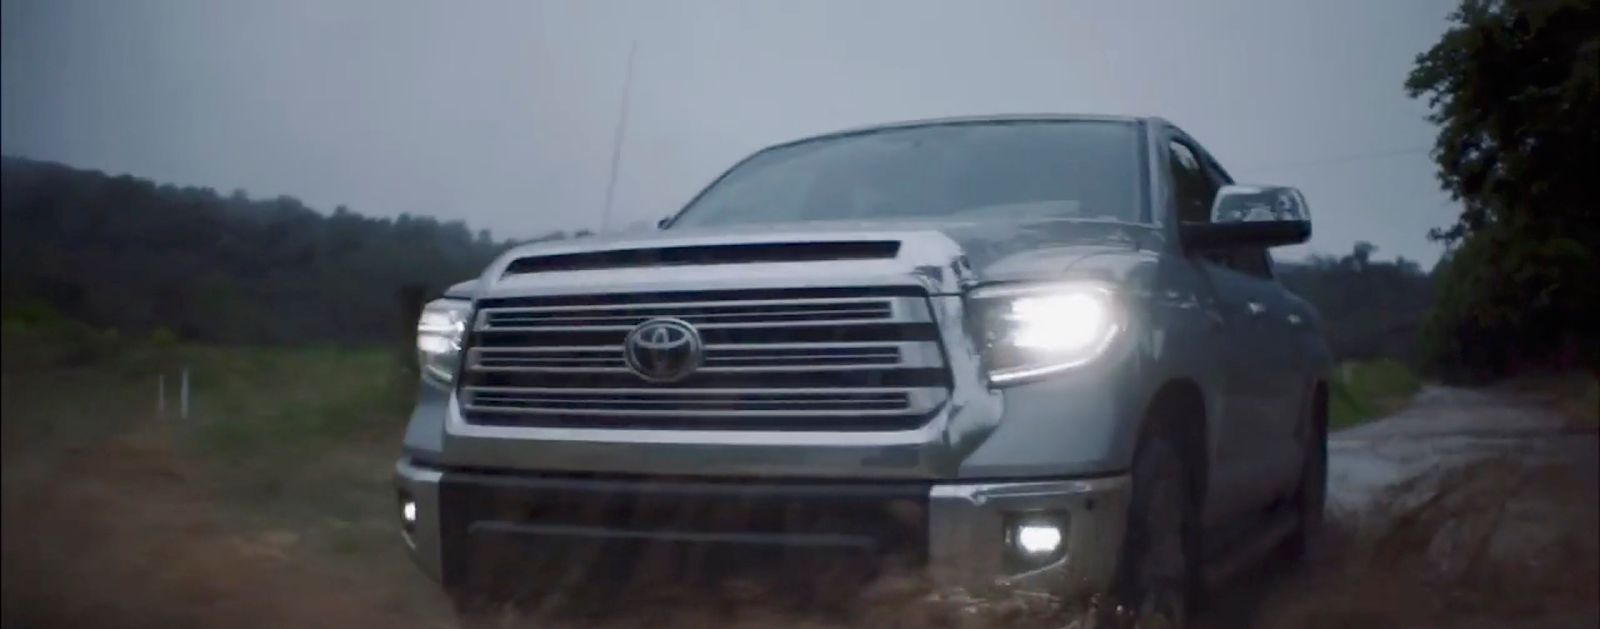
(424, 439)
(1074, 424)
(1087, 421)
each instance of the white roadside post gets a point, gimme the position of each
(183, 395)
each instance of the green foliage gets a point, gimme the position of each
(59, 382)
(1515, 88)
(1366, 390)
(276, 404)
(1370, 309)
(1507, 303)
(72, 343)
(163, 337)
(290, 402)
(124, 253)
(25, 314)
(297, 434)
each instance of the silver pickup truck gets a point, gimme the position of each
(1047, 350)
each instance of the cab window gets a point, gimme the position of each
(1195, 182)
(1192, 190)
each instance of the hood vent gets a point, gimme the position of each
(708, 254)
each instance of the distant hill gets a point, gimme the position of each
(1370, 308)
(128, 254)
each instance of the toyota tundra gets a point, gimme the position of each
(1047, 350)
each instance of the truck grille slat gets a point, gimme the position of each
(824, 359)
(704, 315)
(624, 326)
(669, 403)
(834, 332)
(707, 378)
(772, 357)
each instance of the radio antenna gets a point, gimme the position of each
(621, 130)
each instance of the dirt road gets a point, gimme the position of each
(1444, 428)
(1467, 508)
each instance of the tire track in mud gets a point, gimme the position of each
(1465, 509)
(116, 534)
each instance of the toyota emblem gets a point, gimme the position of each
(663, 350)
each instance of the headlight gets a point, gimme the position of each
(439, 332)
(1033, 330)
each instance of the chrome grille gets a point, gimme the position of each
(721, 357)
(774, 360)
(701, 314)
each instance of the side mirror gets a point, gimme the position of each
(1252, 216)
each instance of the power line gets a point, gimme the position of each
(1341, 159)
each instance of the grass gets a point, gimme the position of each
(1365, 390)
(245, 402)
(299, 439)
(281, 471)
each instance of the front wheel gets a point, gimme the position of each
(476, 609)
(1158, 570)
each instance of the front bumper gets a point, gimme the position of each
(968, 522)
(956, 532)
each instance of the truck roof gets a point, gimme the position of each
(1023, 117)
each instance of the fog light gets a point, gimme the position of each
(1038, 538)
(1035, 540)
(408, 512)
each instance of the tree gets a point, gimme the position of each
(1369, 308)
(1514, 86)
(123, 253)
(1361, 254)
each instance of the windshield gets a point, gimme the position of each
(968, 171)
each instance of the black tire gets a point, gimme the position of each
(477, 609)
(1159, 568)
(1311, 493)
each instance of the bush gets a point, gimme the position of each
(1508, 304)
(164, 337)
(1362, 391)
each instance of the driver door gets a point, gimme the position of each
(1243, 456)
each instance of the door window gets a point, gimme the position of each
(1192, 190)
(1195, 182)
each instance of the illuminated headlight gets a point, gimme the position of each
(439, 335)
(1035, 330)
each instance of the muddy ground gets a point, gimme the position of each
(1466, 509)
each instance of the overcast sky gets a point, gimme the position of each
(503, 114)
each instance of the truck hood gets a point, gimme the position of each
(945, 256)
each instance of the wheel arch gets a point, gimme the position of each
(1319, 402)
(1316, 408)
(1179, 406)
